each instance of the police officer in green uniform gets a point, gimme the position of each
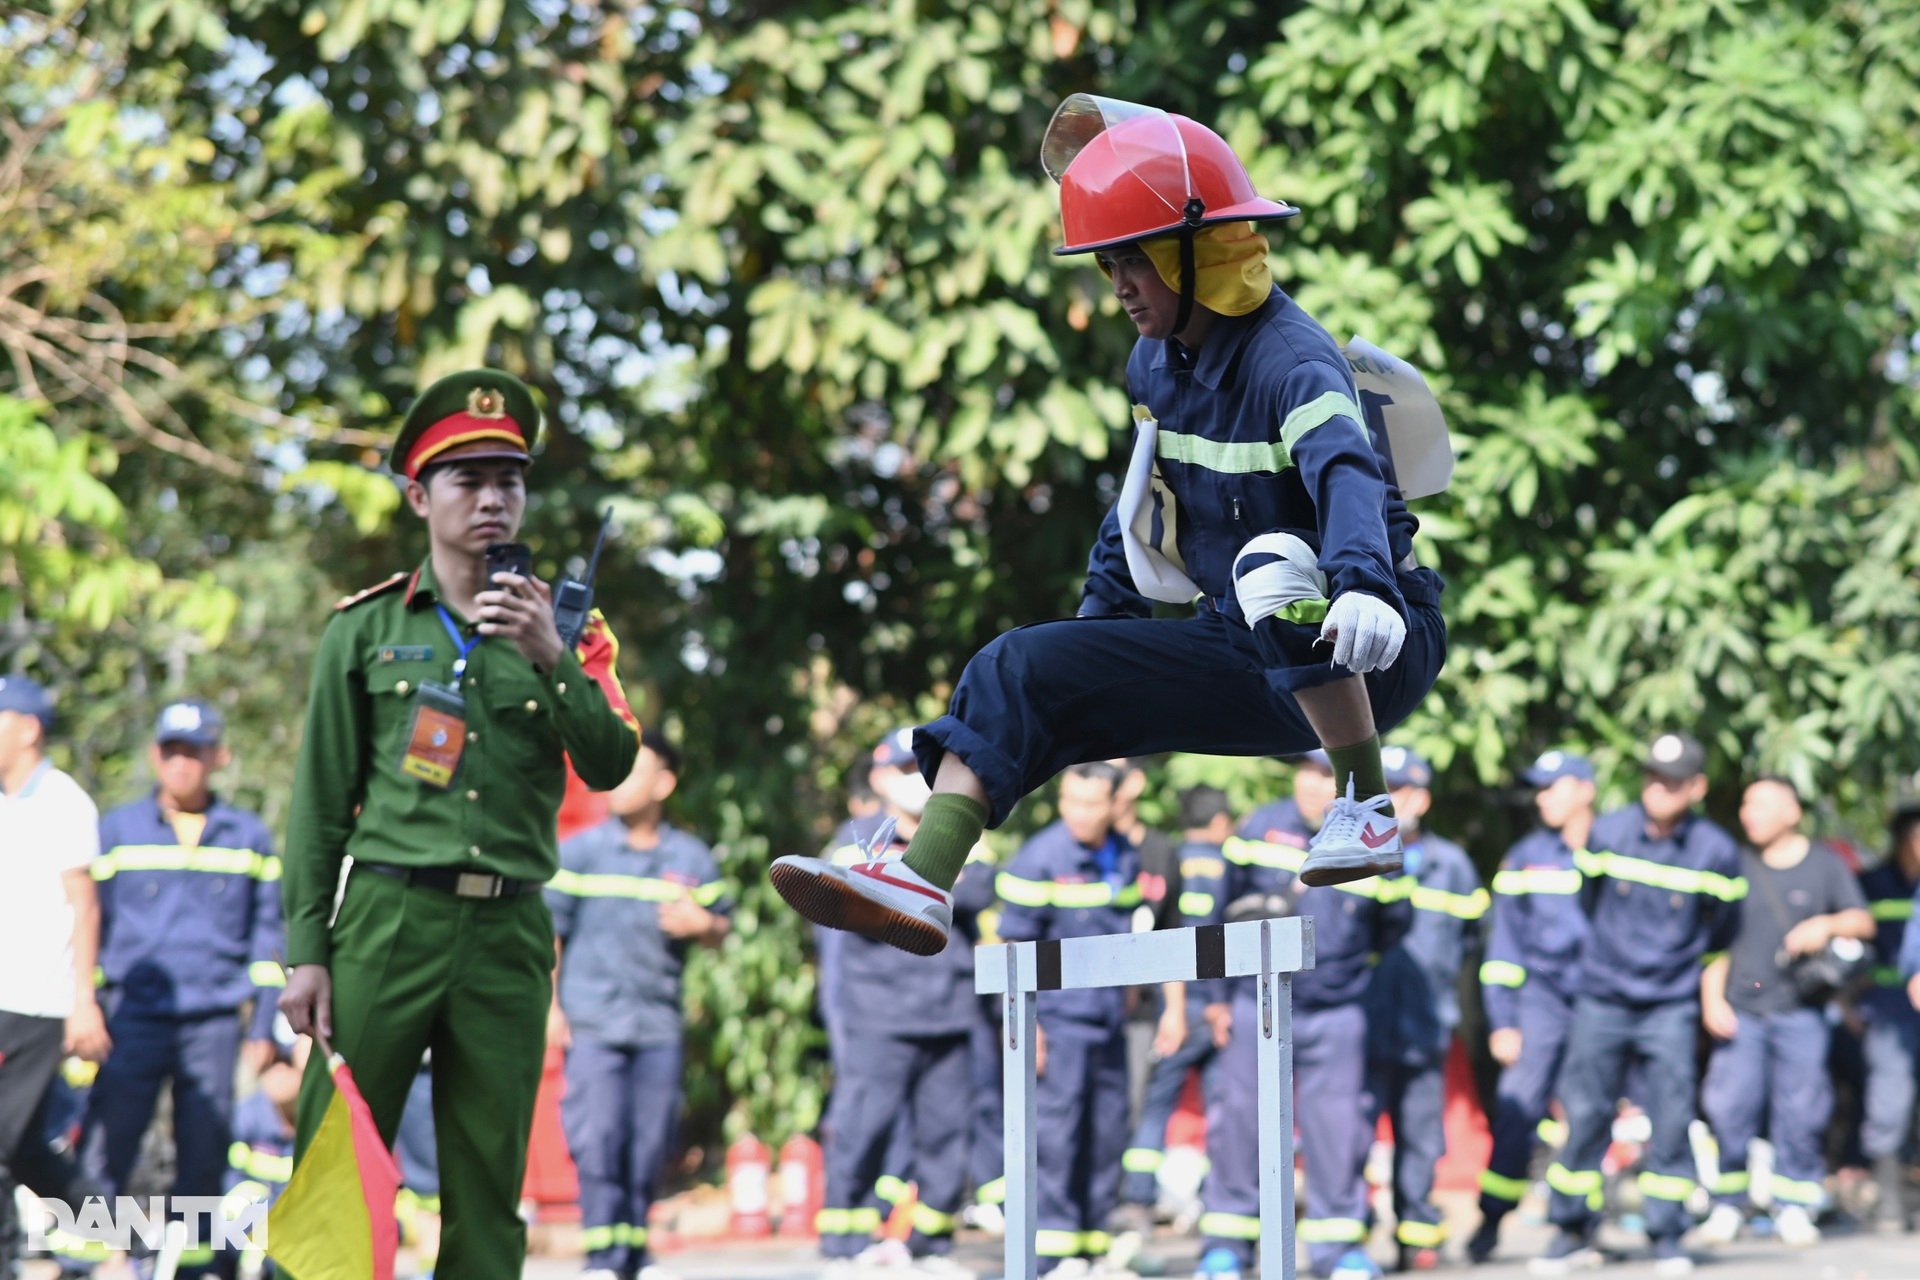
(443, 711)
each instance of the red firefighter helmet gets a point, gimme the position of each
(1128, 171)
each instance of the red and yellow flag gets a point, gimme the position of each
(335, 1219)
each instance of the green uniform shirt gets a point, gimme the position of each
(350, 798)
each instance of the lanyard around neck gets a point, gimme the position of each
(464, 644)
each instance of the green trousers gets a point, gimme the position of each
(470, 978)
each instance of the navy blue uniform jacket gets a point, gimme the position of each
(1054, 888)
(1261, 431)
(1658, 908)
(1413, 1003)
(619, 971)
(1538, 926)
(188, 932)
(1353, 924)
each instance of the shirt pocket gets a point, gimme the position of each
(228, 904)
(391, 690)
(523, 739)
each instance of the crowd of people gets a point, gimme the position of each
(1607, 948)
(1636, 969)
(142, 950)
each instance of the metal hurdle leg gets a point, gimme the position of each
(1275, 1067)
(1021, 1144)
(1269, 951)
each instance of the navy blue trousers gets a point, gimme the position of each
(1523, 1097)
(987, 1149)
(883, 1078)
(1329, 1064)
(1165, 1081)
(1892, 1048)
(1605, 1039)
(198, 1055)
(1771, 1077)
(1414, 1096)
(621, 1112)
(415, 1147)
(1080, 1112)
(1054, 694)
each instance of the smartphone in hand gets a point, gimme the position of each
(508, 557)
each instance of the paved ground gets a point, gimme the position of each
(1842, 1256)
(1839, 1257)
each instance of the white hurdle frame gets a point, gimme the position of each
(1270, 950)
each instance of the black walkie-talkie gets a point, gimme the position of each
(573, 598)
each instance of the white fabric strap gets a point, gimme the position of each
(1157, 575)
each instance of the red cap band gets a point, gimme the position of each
(461, 429)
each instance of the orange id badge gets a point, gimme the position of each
(438, 735)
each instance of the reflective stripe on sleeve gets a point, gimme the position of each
(1502, 973)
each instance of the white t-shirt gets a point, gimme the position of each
(46, 830)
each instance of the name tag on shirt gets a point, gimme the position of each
(407, 653)
(438, 736)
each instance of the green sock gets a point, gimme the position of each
(950, 828)
(1361, 762)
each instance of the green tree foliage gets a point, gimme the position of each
(783, 275)
(1662, 256)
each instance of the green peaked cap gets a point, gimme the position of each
(481, 413)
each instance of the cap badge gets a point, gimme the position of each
(485, 402)
(1668, 749)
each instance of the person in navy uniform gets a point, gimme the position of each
(1526, 979)
(1259, 492)
(632, 897)
(1353, 924)
(1206, 821)
(1769, 1065)
(190, 935)
(1891, 1045)
(900, 1029)
(1413, 1007)
(1077, 878)
(1662, 889)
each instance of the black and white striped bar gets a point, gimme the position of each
(1270, 950)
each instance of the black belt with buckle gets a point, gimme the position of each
(461, 884)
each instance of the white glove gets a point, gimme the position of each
(1365, 631)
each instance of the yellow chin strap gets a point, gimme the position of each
(1230, 266)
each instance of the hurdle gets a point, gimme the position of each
(1270, 950)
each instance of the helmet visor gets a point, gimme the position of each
(1151, 148)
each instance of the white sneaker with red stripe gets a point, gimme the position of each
(879, 898)
(1359, 838)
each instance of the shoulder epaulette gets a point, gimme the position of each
(347, 602)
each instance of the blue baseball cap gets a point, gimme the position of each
(18, 693)
(895, 750)
(1555, 765)
(191, 721)
(1316, 757)
(1405, 767)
